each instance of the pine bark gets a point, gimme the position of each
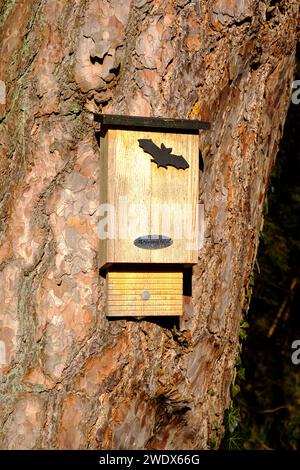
(71, 379)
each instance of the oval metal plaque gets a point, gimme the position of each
(153, 242)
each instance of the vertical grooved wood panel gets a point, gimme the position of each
(147, 200)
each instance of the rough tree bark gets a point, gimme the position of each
(71, 378)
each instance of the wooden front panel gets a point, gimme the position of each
(149, 200)
(144, 294)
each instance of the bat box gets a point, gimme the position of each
(148, 213)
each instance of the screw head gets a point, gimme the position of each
(145, 295)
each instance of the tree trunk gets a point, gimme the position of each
(70, 378)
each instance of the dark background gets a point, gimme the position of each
(265, 409)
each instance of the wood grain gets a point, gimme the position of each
(125, 293)
(159, 200)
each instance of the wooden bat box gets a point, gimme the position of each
(148, 215)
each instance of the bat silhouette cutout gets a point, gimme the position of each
(163, 156)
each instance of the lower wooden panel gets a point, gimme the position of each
(139, 294)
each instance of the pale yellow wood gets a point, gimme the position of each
(125, 293)
(144, 313)
(137, 299)
(151, 195)
(142, 281)
(103, 181)
(118, 292)
(118, 284)
(138, 311)
(143, 275)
